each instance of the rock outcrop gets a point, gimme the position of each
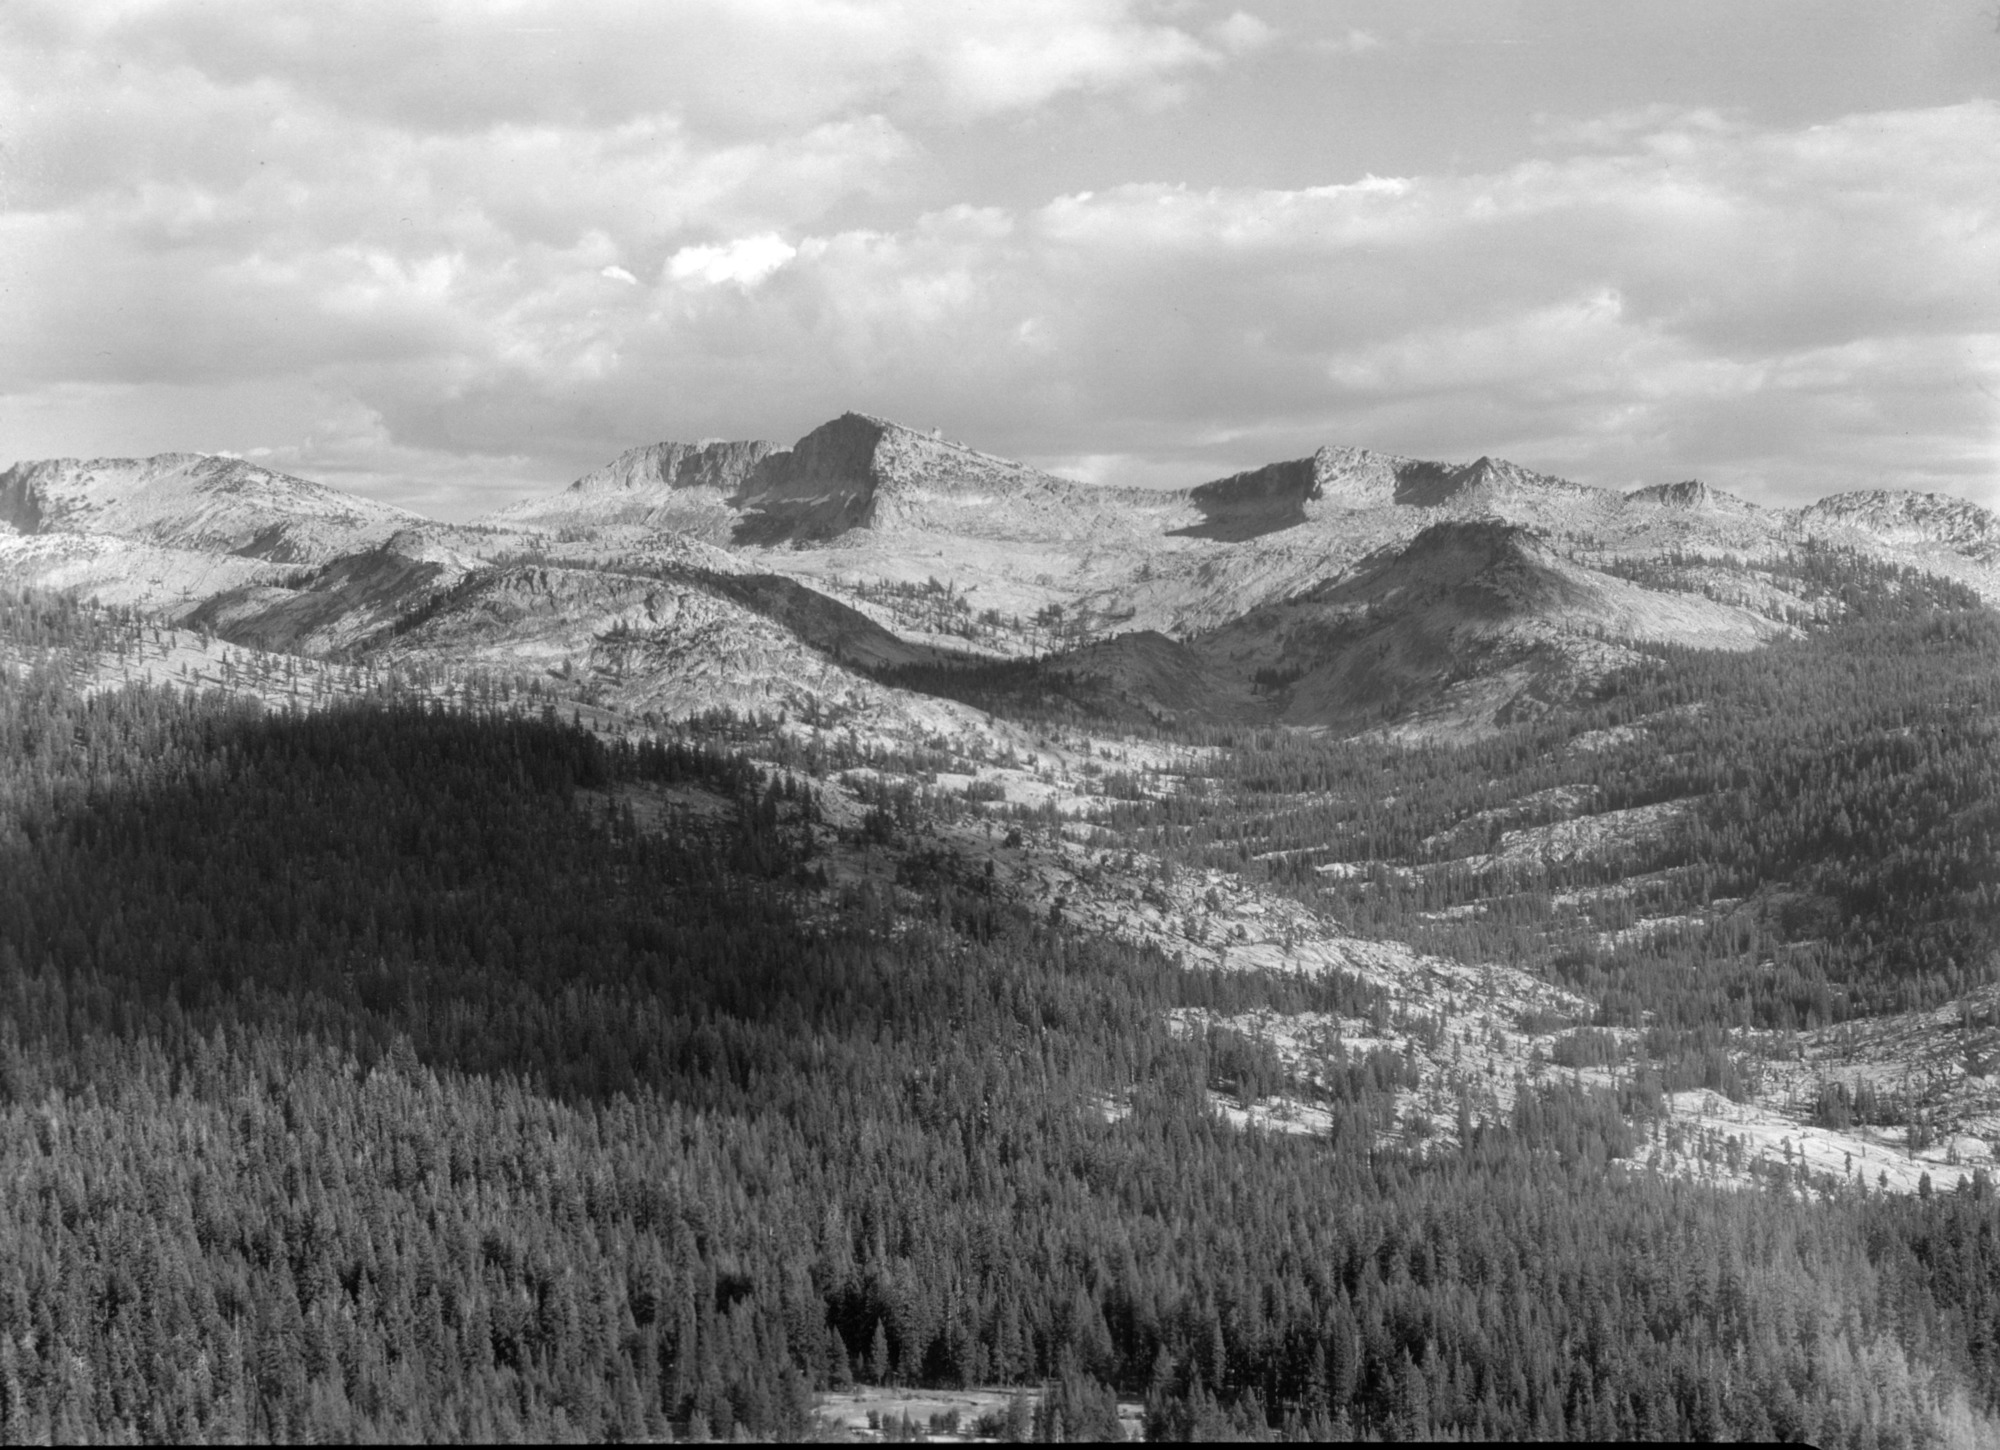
(1924, 519)
(1690, 494)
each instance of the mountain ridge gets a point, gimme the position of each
(194, 500)
(886, 547)
(861, 471)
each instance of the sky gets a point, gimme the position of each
(451, 254)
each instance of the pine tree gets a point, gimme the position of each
(879, 1365)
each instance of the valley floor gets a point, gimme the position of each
(973, 1414)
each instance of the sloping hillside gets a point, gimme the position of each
(195, 501)
(1465, 601)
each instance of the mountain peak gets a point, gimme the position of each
(860, 471)
(853, 471)
(1690, 493)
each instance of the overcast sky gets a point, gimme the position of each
(451, 253)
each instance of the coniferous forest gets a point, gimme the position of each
(375, 1073)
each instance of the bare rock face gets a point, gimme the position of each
(720, 466)
(195, 501)
(1249, 505)
(859, 472)
(822, 486)
(851, 473)
(20, 500)
(1898, 517)
(1357, 478)
(687, 488)
(1691, 494)
(1284, 495)
(1485, 483)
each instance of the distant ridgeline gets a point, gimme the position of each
(390, 1071)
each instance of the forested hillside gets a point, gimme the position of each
(383, 1072)
(1837, 794)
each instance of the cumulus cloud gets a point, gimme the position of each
(745, 261)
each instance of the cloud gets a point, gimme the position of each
(1015, 56)
(745, 261)
(464, 66)
(1240, 33)
(1789, 313)
(1354, 42)
(420, 242)
(432, 195)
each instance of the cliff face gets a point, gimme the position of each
(823, 485)
(20, 501)
(720, 466)
(685, 487)
(1356, 478)
(853, 472)
(1281, 495)
(1252, 504)
(860, 472)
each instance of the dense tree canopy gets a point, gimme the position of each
(373, 1072)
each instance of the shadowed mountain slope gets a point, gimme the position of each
(1249, 505)
(1479, 600)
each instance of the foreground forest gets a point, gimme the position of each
(377, 1073)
